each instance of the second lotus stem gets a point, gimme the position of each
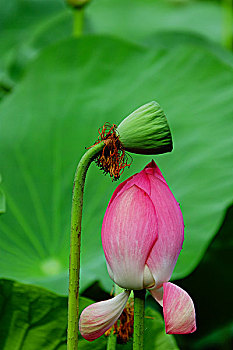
(139, 315)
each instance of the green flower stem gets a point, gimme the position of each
(112, 341)
(139, 313)
(75, 241)
(227, 23)
(78, 13)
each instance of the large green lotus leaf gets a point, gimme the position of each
(2, 199)
(137, 19)
(172, 39)
(154, 324)
(27, 26)
(34, 318)
(215, 269)
(2, 202)
(70, 91)
(19, 18)
(22, 21)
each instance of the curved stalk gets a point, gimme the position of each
(75, 241)
(139, 313)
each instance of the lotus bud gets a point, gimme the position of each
(146, 131)
(142, 236)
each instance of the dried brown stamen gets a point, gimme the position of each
(113, 159)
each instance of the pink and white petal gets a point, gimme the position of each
(165, 252)
(120, 188)
(140, 180)
(153, 169)
(157, 294)
(128, 233)
(178, 310)
(97, 318)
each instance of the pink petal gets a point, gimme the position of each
(140, 180)
(153, 169)
(97, 318)
(157, 294)
(128, 234)
(165, 252)
(178, 310)
(121, 187)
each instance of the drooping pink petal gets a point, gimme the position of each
(128, 234)
(164, 254)
(178, 310)
(97, 318)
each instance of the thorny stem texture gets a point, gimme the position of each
(139, 314)
(74, 268)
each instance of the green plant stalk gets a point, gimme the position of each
(75, 241)
(139, 314)
(78, 13)
(227, 23)
(112, 341)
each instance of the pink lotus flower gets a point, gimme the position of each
(142, 236)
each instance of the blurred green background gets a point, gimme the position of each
(56, 90)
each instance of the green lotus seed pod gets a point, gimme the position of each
(146, 131)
